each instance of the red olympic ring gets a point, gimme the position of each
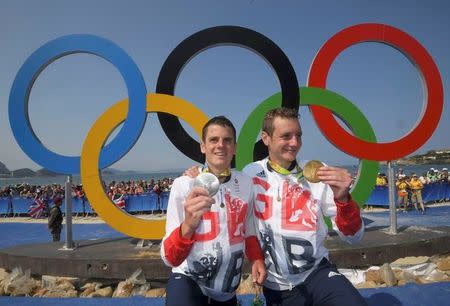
(416, 53)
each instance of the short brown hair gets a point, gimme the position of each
(281, 112)
(218, 120)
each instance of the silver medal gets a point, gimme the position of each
(208, 181)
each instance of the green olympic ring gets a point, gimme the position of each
(341, 107)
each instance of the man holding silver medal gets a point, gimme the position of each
(210, 221)
(291, 200)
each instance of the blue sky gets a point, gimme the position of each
(72, 92)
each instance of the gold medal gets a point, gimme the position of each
(310, 170)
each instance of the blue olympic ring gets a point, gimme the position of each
(44, 56)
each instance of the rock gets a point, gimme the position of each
(19, 283)
(58, 286)
(87, 292)
(421, 280)
(141, 290)
(48, 281)
(374, 275)
(57, 292)
(367, 284)
(422, 269)
(434, 258)
(64, 284)
(410, 261)
(75, 281)
(388, 275)
(3, 274)
(137, 278)
(93, 285)
(123, 289)
(355, 276)
(89, 288)
(398, 273)
(408, 277)
(40, 293)
(158, 292)
(37, 288)
(443, 264)
(437, 276)
(246, 286)
(104, 292)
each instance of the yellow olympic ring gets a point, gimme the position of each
(90, 153)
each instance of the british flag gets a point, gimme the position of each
(119, 200)
(37, 209)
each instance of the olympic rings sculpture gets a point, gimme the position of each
(133, 111)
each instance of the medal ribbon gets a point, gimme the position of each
(224, 174)
(297, 171)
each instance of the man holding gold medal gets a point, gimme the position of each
(210, 221)
(291, 200)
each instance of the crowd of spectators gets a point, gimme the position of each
(131, 187)
(431, 176)
(409, 188)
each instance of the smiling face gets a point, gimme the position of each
(219, 147)
(285, 141)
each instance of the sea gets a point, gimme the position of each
(41, 180)
(76, 180)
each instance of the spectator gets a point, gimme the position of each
(416, 192)
(402, 192)
(55, 219)
(399, 173)
(443, 177)
(432, 175)
(381, 180)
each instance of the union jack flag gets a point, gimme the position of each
(37, 208)
(119, 200)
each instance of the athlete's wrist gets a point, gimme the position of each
(186, 231)
(343, 199)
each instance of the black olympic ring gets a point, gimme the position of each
(208, 38)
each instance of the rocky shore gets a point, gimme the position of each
(419, 270)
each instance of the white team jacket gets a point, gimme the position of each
(216, 258)
(289, 216)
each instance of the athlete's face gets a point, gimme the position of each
(285, 141)
(219, 147)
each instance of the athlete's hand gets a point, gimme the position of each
(339, 180)
(191, 172)
(197, 203)
(259, 272)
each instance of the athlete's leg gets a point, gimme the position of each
(285, 297)
(181, 290)
(327, 287)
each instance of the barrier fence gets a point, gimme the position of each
(151, 202)
(438, 191)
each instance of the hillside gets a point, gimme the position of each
(431, 157)
(45, 172)
(3, 169)
(24, 172)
